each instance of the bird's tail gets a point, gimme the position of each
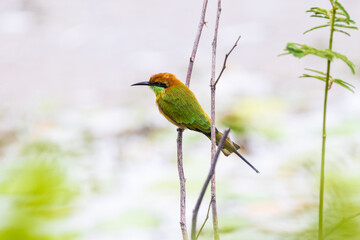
(231, 147)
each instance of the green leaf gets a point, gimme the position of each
(350, 64)
(340, 19)
(323, 13)
(340, 82)
(345, 26)
(318, 16)
(295, 49)
(312, 70)
(301, 50)
(317, 27)
(313, 76)
(341, 31)
(317, 11)
(346, 14)
(344, 84)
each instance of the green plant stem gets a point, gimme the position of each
(323, 147)
(322, 169)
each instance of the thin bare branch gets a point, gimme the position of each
(206, 218)
(180, 131)
(213, 137)
(196, 43)
(182, 185)
(225, 60)
(207, 181)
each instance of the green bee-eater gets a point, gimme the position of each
(179, 105)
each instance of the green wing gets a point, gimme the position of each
(180, 105)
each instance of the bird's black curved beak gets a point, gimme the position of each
(141, 83)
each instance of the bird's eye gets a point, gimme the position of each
(160, 84)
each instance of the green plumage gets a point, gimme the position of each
(180, 106)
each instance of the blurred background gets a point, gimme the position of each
(85, 156)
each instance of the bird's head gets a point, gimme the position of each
(160, 82)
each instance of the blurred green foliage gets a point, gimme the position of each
(133, 218)
(342, 210)
(36, 194)
(248, 115)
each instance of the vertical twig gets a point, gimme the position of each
(207, 181)
(213, 137)
(196, 43)
(182, 186)
(180, 131)
(213, 164)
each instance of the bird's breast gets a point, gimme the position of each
(162, 109)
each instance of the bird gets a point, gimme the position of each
(178, 104)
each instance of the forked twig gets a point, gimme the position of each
(225, 60)
(206, 218)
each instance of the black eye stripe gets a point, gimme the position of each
(160, 84)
